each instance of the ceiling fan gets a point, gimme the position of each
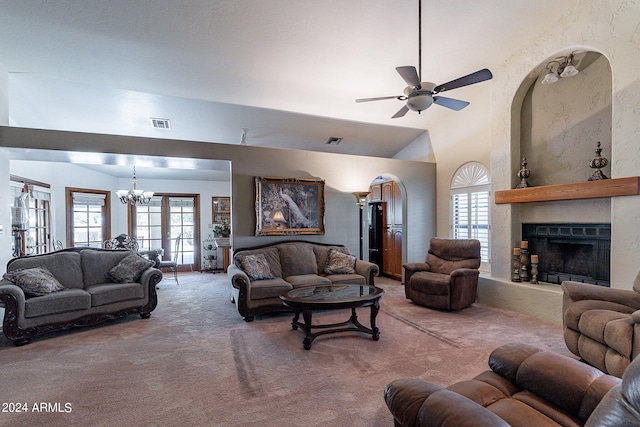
(420, 95)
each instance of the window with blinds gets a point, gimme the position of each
(87, 217)
(470, 206)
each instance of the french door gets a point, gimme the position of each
(159, 223)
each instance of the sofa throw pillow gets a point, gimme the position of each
(129, 269)
(340, 263)
(34, 282)
(256, 267)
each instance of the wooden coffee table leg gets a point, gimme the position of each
(306, 342)
(375, 332)
(294, 322)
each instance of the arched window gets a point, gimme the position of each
(470, 206)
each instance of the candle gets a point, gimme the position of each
(524, 244)
(516, 251)
(534, 258)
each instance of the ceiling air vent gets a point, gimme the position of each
(160, 123)
(334, 140)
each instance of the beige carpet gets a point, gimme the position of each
(195, 362)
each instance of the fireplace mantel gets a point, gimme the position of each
(580, 190)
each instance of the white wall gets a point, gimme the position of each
(343, 174)
(62, 175)
(5, 202)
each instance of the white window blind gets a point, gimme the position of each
(470, 208)
(89, 199)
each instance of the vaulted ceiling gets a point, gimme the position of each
(288, 71)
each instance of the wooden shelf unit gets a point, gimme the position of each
(581, 190)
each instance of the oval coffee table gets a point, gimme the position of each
(308, 298)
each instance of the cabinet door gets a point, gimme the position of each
(376, 193)
(396, 255)
(397, 205)
(387, 197)
(387, 251)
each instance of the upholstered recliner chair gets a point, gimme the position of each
(602, 325)
(524, 387)
(448, 279)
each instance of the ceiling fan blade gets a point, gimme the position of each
(401, 112)
(380, 98)
(454, 104)
(477, 77)
(410, 75)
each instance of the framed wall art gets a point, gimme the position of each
(221, 209)
(286, 206)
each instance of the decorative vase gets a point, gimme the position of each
(523, 174)
(597, 163)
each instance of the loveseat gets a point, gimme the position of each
(74, 287)
(260, 274)
(525, 387)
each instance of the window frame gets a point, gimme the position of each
(470, 179)
(105, 214)
(40, 225)
(169, 231)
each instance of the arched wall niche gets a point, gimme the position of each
(556, 127)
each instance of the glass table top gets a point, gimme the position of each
(332, 293)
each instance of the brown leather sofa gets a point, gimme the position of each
(525, 387)
(602, 325)
(448, 279)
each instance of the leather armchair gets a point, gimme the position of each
(448, 279)
(524, 387)
(602, 325)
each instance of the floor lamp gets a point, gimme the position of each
(361, 197)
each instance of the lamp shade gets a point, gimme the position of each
(278, 216)
(361, 197)
(569, 71)
(420, 102)
(549, 78)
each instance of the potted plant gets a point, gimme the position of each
(222, 230)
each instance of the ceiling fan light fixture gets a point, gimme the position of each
(420, 95)
(420, 102)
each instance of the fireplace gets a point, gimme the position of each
(579, 252)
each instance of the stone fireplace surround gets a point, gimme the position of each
(571, 251)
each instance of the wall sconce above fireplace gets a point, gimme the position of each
(561, 67)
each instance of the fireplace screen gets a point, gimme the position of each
(579, 252)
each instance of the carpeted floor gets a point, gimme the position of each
(195, 362)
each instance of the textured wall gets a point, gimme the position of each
(610, 28)
(560, 126)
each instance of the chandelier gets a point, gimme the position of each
(134, 196)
